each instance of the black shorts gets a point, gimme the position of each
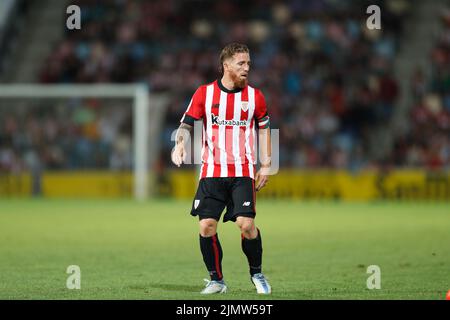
(237, 194)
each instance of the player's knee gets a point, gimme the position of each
(208, 227)
(248, 228)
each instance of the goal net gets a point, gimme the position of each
(81, 128)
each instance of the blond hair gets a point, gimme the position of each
(229, 50)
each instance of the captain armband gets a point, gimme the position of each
(264, 122)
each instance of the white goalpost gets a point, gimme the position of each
(141, 116)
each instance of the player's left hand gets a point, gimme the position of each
(262, 177)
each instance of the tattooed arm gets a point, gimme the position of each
(179, 151)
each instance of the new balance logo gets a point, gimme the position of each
(246, 204)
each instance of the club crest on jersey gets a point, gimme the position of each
(244, 106)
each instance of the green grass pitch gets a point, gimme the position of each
(150, 250)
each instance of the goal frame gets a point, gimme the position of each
(141, 108)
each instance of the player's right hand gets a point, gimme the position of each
(178, 154)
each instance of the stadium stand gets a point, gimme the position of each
(327, 78)
(427, 143)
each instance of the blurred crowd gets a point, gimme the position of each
(75, 134)
(326, 77)
(427, 143)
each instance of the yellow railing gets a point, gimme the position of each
(340, 185)
(292, 184)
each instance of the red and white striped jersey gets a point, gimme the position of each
(230, 119)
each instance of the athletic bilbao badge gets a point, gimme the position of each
(244, 105)
(196, 203)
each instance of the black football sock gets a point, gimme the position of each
(253, 250)
(212, 256)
